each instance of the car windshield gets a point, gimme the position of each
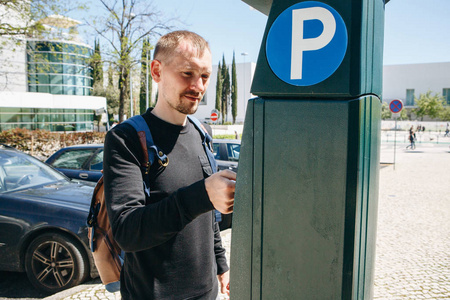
(73, 159)
(18, 170)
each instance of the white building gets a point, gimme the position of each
(404, 82)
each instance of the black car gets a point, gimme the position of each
(84, 162)
(43, 223)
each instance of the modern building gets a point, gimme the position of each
(46, 81)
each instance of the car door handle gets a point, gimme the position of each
(83, 175)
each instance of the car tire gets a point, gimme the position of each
(54, 262)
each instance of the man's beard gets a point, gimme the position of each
(187, 108)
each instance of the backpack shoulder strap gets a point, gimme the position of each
(149, 148)
(206, 141)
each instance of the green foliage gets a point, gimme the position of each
(30, 13)
(145, 67)
(219, 87)
(97, 65)
(111, 93)
(224, 136)
(445, 114)
(226, 89)
(429, 105)
(385, 112)
(43, 143)
(234, 91)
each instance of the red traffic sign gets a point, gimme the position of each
(396, 106)
(214, 116)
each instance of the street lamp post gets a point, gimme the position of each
(244, 54)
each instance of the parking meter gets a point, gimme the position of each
(304, 222)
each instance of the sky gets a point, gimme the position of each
(416, 31)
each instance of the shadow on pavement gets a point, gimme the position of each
(15, 285)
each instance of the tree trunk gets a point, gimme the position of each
(123, 88)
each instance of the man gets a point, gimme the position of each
(172, 242)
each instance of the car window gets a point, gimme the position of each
(233, 151)
(96, 163)
(73, 159)
(19, 171)
(216, 150)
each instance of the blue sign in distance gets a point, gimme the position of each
(306, 43)
(396, 106)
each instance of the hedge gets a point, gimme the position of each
(43, 143)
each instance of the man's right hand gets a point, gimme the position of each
(220, 188)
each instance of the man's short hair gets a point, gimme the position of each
(167, 44)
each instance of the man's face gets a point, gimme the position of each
(183, 80)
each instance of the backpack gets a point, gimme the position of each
(108, 256)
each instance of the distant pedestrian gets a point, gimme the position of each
(412, 139)
(236, 135)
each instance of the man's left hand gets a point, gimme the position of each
(224, 280)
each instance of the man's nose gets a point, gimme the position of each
(198, 84)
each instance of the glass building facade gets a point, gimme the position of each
(51, 119)
(59, 68)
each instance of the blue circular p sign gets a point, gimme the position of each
(306, 43)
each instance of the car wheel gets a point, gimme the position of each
(54, 262)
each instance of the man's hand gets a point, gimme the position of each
(220, 188)
(224, 280)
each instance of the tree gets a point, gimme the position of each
(127, 24)
(97, 65)
(111, 95)
(226, 89)
(429, 105)
(385, 112)
(234, 91)
(219, 88)
(23, 17)
(146, 76)
(445, 114)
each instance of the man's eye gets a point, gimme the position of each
(187, 73)
(205, 76)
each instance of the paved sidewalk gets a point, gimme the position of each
(413, 240)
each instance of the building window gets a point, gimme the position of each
(446, 95)
(51, 119)
(59, 68)
(409, 97)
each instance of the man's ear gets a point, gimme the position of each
(156, 70)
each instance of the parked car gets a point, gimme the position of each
(226, 153)
(43, 223)
(84, 162)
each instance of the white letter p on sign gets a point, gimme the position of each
(300, 44)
